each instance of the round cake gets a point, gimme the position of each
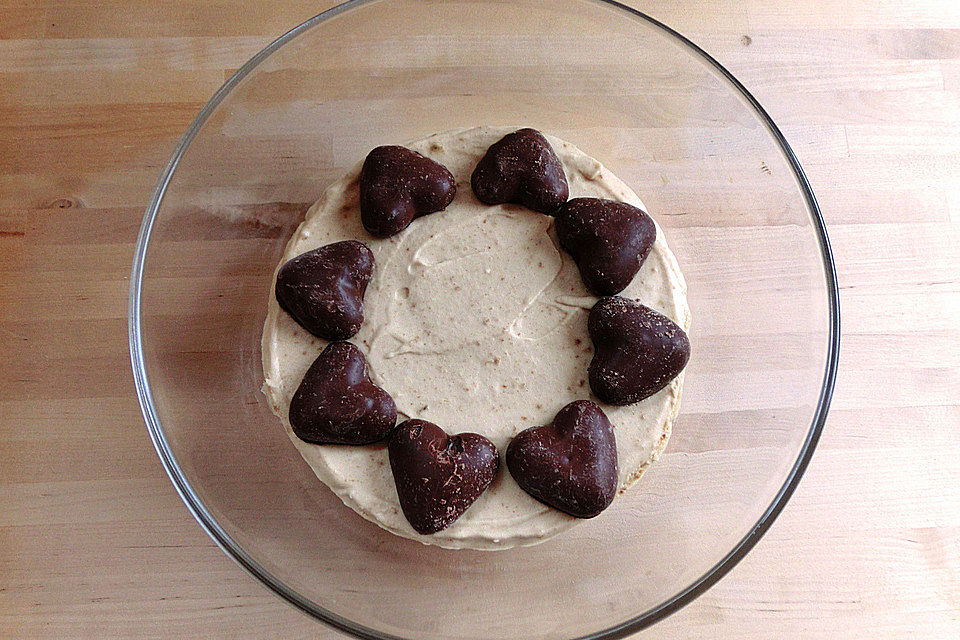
(476, 320)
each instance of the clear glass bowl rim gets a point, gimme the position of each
(626, 628)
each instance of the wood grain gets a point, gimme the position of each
(94, 541)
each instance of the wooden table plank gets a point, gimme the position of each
(94, 541)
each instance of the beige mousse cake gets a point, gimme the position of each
(475, 320)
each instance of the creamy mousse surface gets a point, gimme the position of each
(475, 319)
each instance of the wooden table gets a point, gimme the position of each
(94, 542)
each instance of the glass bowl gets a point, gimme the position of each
(666, 118)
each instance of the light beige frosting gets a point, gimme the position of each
(475, 320)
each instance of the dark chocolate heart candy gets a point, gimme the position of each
(439, 476)
(608, 240)
(569, 464)
(637, 351)
(336, 403)
(523, 169)
(398, 185)
(323, 289)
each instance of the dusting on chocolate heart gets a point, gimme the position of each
(398, 185)
(439, 476)
(521, 168)
(323, 289)
(637, 351)
(337, 403)
(569, 464)
(608, 240)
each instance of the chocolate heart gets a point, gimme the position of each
(569, 464)
(608, 240)
(336, 403)
(523, 169)
(439, 476)
(323, 289)
(398, 185)
(637, 351)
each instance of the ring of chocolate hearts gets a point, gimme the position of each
(569, 464)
